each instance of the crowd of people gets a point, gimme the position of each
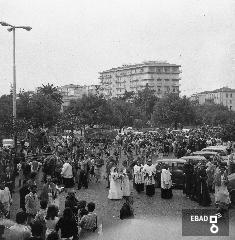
(65, 165)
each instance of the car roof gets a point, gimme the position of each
(217, 147)
(172, 160)
(197, 157)
(204, 152)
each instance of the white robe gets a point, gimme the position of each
(166, 182)
(115, 191)
(149, 173)
(138, 174)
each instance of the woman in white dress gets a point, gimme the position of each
(115, 191)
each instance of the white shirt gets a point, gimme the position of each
(67, 171)
(5, 195)
(19, 232)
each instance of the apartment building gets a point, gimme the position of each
(224, 96)
(162, 77)
(73, 92)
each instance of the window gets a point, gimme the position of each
(167, 88)
(158, 70)
(230, 101)
(166, 80)
(231, 95)
(226, 95)
(159, 79)
(167, 69)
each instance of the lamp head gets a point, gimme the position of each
(4, 24)
(27, 28)
(9, 29)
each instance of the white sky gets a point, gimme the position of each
(72, 40)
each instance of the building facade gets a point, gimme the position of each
(224, 96)
(73, 92)
(162, 77)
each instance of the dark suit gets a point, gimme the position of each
(23, 192)
(9, 180)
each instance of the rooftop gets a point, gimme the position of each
(72, 86)
(223, 89)
(143, 64)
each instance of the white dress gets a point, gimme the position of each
(115, 191)
(126, 191)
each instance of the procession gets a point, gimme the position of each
(117, 120)
(125, 165)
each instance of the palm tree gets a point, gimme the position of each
(51, 91)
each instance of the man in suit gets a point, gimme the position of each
(23, 192)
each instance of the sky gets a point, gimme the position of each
(71, 41)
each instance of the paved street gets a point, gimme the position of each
(159, 216)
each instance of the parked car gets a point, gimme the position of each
(222, 150)
(176, 168)
(204, 154)
(209, 154)
(195, 159)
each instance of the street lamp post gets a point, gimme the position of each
(12, 28)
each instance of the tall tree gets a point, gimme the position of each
(213, 114)
(173, 110)
(145, 101)
(124, 113)
(24, 110)
(5, 107)
(51, 91)
(91, 110)
(45, 111)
